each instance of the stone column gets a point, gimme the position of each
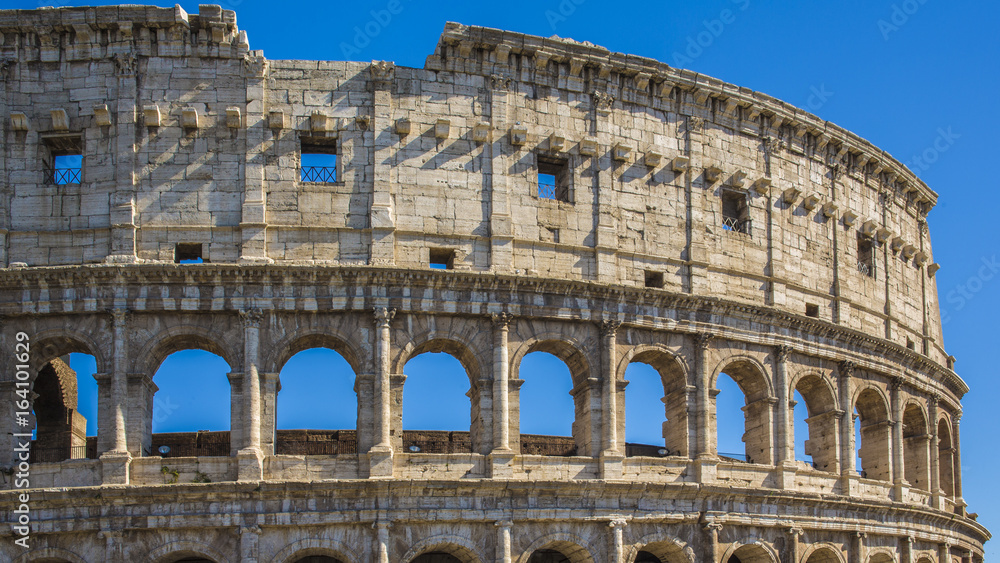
(944, 553)
(380, 455)
(957, 457)
(6, 189)
(848, 469)
(616, 549)
(503, 551)
(501, 224)
(250, 456)
(141, 390)
(382, 547)
(382, 216)
(906, 549)
(612, 454)
(784, 450)
(857, 547)
(253, 217)
(935, 457)
(115, 462)
(705, 455)
(899, 483)
(502, 455)
(123, 226)
(249, 544)
(711, 552)
(792, 555)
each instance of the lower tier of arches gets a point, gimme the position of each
(475, 521)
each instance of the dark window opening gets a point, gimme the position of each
(812, 310)
(866, 256)
(63, 160)
(553, 178)
(319, 160)
(735, 212)
(442, 258)
(654, 279)
(188, 253)
(910, 344)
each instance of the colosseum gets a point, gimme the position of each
(517, 194)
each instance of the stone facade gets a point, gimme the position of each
(688, 224)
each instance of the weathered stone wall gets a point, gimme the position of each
(188, 137)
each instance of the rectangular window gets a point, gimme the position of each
(188, 253)
(553, 178)
(812, 310)
(735, 212)
(319, 160)
(866, 256)
(654, 279)
(442, 258)
(63, 159)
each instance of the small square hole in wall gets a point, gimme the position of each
(188, 253)
(654, 279)
(442, 258)
(910, 344)
(812, 310)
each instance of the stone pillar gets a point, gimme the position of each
(382, 216)
(899, 483)
(856, 554)
(115, 462)
(605, 208)
(141, 390)
(705, 455)
(380, 455)
(501, 224)
(249, 544)
(935, 457)
(123, 225)
(114, 545)
(382, 547)
(784, 450)
(792, 553)
(503, 550)
(944, 553)
(612, 454)
(6, 189)
(502, 454)
(253, 217)
(697, 250)
(906, 549)
(711, 551)
(270, 385)
(957, 457)
(616, 549)
(250, 457)
(848, 469)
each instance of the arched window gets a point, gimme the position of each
(816, 423)
(750, 554)
(437, 410)
(656, 406)
(661, 552)
(753, 400)
(916, 448)
(317, 406)
(191, 412)
(823, 555)
(65, 409)
(546, 406)
(873, 429)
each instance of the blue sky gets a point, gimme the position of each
(917, 78)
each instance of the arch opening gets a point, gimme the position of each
(661, 552)
(437, 557)
(547, 407)
(873, 428)
(881, 557)
(440, 404)
(317, 559)
(946, 459)
(823, 555)
(190, 403)
(817, 436)
(316, 410)
(65, 409)
(656, 392)
(748, 392)
(750, 553)
(916, 448)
